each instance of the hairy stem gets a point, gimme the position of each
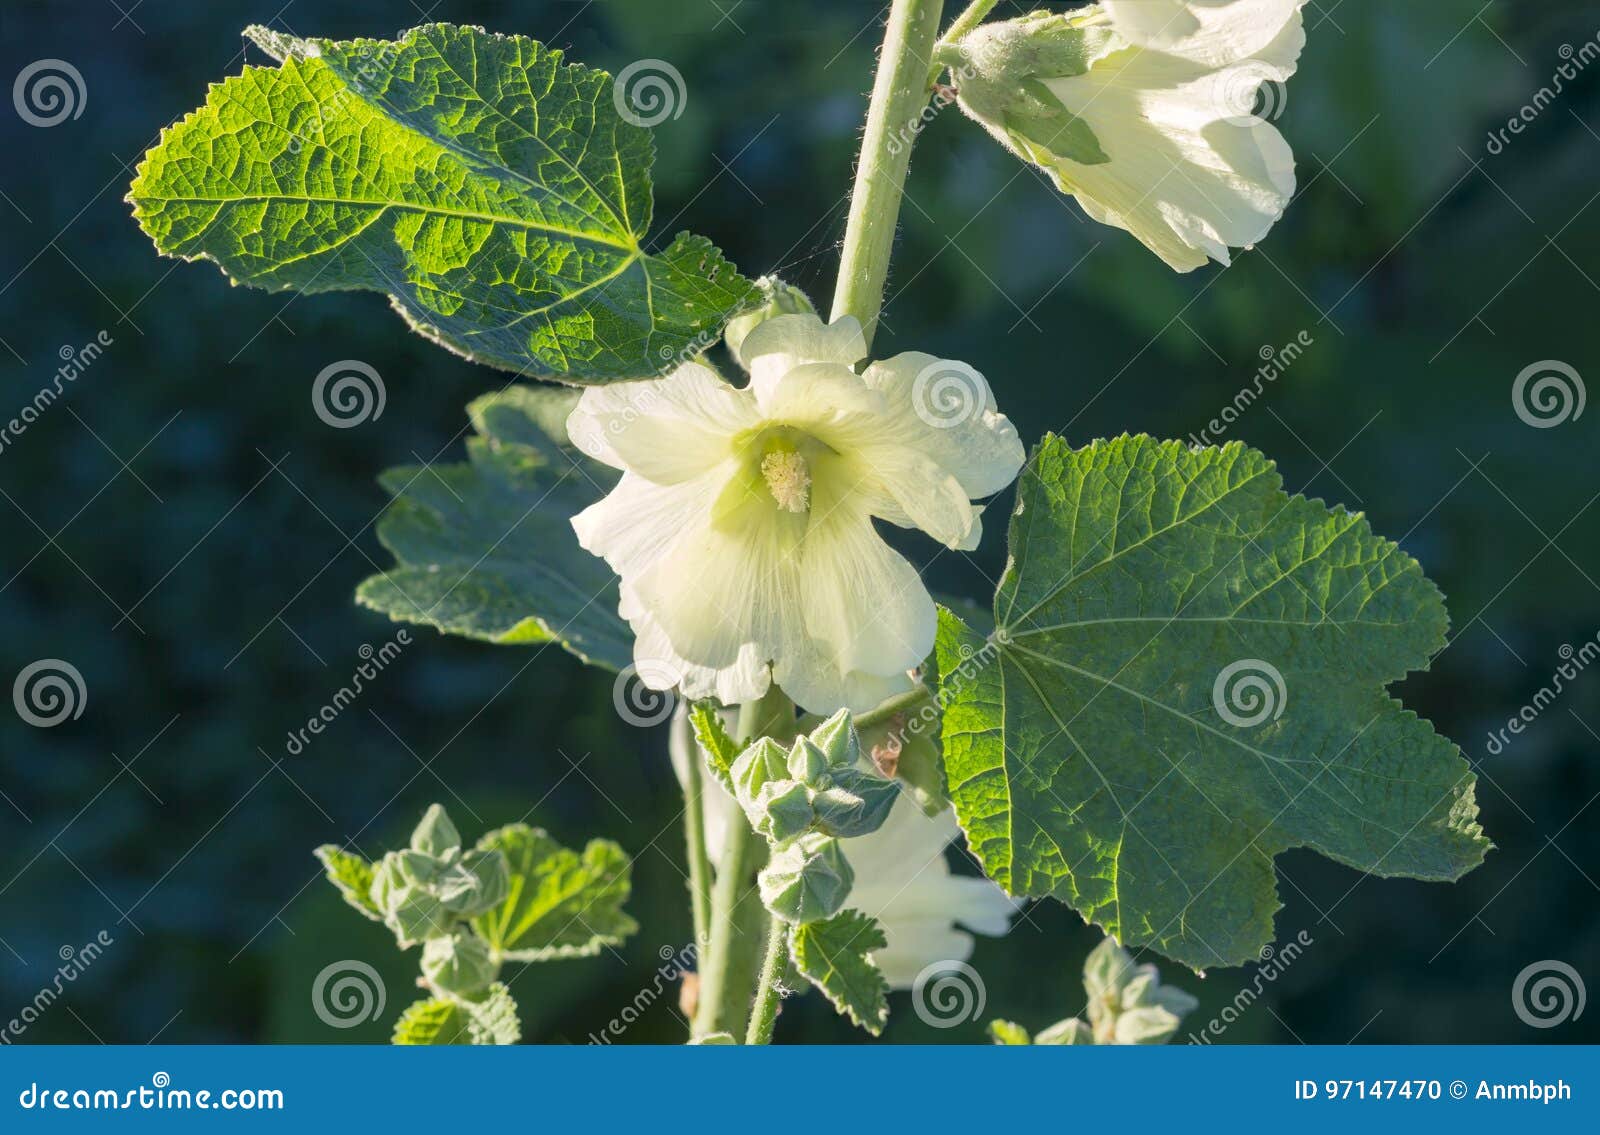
(900, 703)
(899, 94)
(970, 18)
(694, 831)
(765, 1015)
(729, 956)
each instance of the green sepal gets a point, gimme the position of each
(807, 880)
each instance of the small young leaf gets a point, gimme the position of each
(1008, 1032)
(1187, 677)
(433, 1021)
(560, 905)
(440, 1021)
(352, 875)
(494, 1017)
(486, 549)
(720, 748)
(832, 955)
(495, 193)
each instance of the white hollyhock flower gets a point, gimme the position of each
(1166, 90)
(742, 527)
(901, 878)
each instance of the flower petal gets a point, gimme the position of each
(787, 341)
(863, 605)
(1191, 172)
(668, 429)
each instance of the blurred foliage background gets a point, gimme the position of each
(185, 530)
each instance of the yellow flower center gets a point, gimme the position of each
(788, 479)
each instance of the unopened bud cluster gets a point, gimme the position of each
(804, 800)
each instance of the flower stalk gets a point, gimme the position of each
(731, 948)
(898, 95)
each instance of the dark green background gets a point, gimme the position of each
(1427, 271)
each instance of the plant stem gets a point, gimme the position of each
(899, 94)
(900, 703)
(964, 23)
(765, 1015)
(730, 952)
(694, 831)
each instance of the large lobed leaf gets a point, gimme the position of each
(492, 191)
(561, 904)
(1085, 746)
(486, 548)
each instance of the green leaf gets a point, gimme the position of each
(561, 904)
(1100, 746)
(494, 1017)
(352, 874)
(486, 548)
(1008, 1032)
(494, 193)
(720, 748)
(432, 1021)
(440, 1021)
(833, 956)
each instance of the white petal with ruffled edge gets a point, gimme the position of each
(1191, 171)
